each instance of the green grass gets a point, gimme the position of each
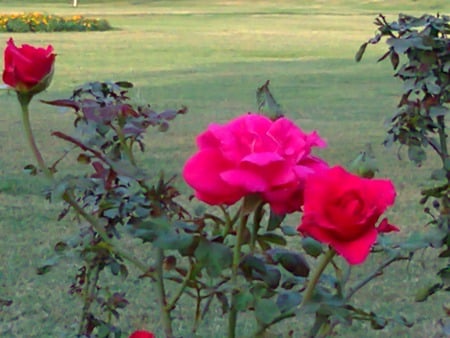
(210, 56)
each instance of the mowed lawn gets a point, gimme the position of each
(210, 56)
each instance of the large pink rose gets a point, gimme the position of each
(28, 68)
(342, 210)
(253, 154)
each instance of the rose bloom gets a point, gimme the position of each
(342, 209)
(253, 154)
(142, 334)
(28, 68)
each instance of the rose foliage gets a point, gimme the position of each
(242, 255)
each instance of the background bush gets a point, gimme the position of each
(39, 22)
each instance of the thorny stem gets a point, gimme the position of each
(101, 231)
(258, 214)
(24, 104)
(187, 278)
(161, 294)
(264, 327)
(443, 141)
(316, 275)
(125, 147)
(377, 272)
(198, 316)
(24, 101)
(232, 316)
(89, 295)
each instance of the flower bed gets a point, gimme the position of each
(39, 22)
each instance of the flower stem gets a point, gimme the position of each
(102, 233)
(24, 104)
(88, 296)
(316, 275)
(232, 316)
(161, 294)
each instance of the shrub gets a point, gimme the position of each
(39, 22)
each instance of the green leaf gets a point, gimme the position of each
(416, 154)
(394, 59)
(124, 84)
(30, 169)
(365, 164)
(288, 230)
(243, 299)
(275, 221)
(311, 246)
(47, 265)
(361, 52)
(173, 240)
(444, 274)
(271, 277)
(61, 247)
(445, 253)
(288, 300)
(423, 293)
(266, 311)
(436, 111)
(291, 261)
(215, 257)
(267, 103)
(271, 237)
(251, 263)
(438, 174)
(417, 240)
(378, 323)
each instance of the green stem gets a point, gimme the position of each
(161, 294)
(24, 104)
(262, 329)
(232, 316)
(102, 233)
(183, 286)
(321, 326)
(228, 221)
(124, 145)
(89, 295)
(316, 275)
(377, 272)
(258, 214)
(442, 139)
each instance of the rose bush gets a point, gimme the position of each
(253, 154)
(342, 209)
(28, 69)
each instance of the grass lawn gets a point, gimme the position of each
(210, 56)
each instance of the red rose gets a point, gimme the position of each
(142, 334)
(28, 69)
(342, 209)
(253, 154)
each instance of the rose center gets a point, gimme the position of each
(348, 215)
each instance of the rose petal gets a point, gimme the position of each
(202, 172)
(386, 227)
(356, 252)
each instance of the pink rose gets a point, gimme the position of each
(142, 334)
(253, 154)
(342, 209)
(28, 69)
